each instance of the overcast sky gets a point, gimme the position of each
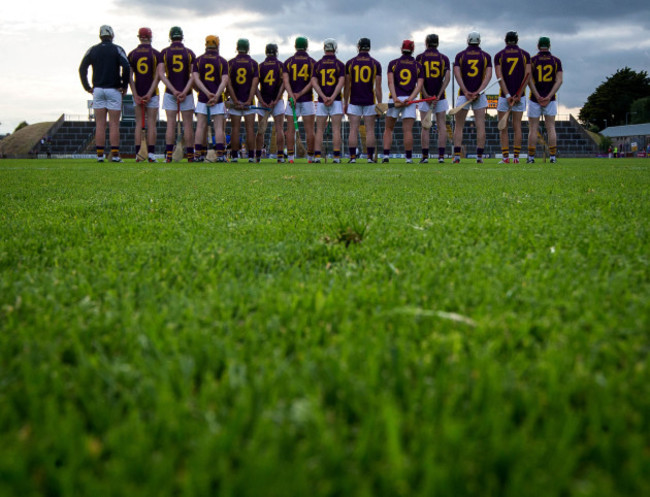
(43, 42)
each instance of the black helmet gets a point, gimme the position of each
(432, 41)
(272, 49)
(364, 44)
(512, 37)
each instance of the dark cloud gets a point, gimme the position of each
(387, 23)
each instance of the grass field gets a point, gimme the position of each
(325, 330)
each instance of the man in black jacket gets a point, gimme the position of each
(111, 72)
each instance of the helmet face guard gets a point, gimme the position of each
(364, 44)
(145, 34)
(474, 38)
(243, 45)
(175, 34)
(432, 41)
(301, 43)
(330, 45)
(408, 46)
(512, 37)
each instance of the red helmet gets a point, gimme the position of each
(408, 46)
(145, 33)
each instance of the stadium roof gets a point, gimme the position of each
(629, 130)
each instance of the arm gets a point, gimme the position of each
(378, 91)
(461, 83)
(486, 80)
(83, 72)
(287, 86)
(445, 84)
(391, 88)
(199, 84)
(417, 89)
(163, 77)
(544, 101)
(251, 94)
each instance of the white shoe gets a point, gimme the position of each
(336, 161)
(409, 161)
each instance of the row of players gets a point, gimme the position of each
(353, 88)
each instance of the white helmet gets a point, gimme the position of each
(474, 38)
(106, 31)
(329, 45)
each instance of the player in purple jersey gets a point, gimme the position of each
(210, 76)
(436, 79)
(298, 71)
(242, 84)
(512, 67)
(362, 93)
(144, 86)
(111, 74)
(269, 94)
(175, 71)
(328, 81)
(546, 70)
(473, 71)
(405, 79)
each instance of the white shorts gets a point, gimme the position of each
(407, 112)
(361, 110)
(107, 98)
(277, 109)
(239, 112)
(439, 106)
(535, 110)
(480, 103)
(336, 109)
(302, 109)
(502, 105)
(154, 103)
(169, 102)
(215, 110)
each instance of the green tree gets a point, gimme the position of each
(21, 126)
(612, 100)
(640, 111)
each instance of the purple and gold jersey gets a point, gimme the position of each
(144, 62)
(300, 69)
(178, 62)
(406, 72)
(327, 71)
(473, 63)
(270, 78)
(436, 66)
(513, 61)
(545, 68)
(211, 67)
(242, 70)
(362, 71)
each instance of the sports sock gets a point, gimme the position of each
(100, 151)
(370, 153)
(409, 154)
(505, 152)
(169, 150)
(479, 153)
(425, 153)
(353, 152)
(115, 151)
(552, 150)
(531, 151)
(441, 152)
(516, 151)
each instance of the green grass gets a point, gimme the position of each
(331, 330)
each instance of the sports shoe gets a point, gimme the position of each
(385, 160)
(168, 160)
(441, 160)
(199, 159)
(530, 160)
(251, 160)
(409, 161)
(139, 159)
(370, 161)
(352, 161)
(479, 161)
(116, 159)
(424, 160)
(515, 160)
(100, 159)
(336, 161)
(233, 159)
(221, 159)
(280, 161)
(553, 160)
(290, 161)
(504, 161)
(151, 158)
(456, 160)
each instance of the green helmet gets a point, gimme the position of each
(243, 45)
(544, 42)
(301, 43)
(175, 33)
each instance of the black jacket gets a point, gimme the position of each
(106, 60)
